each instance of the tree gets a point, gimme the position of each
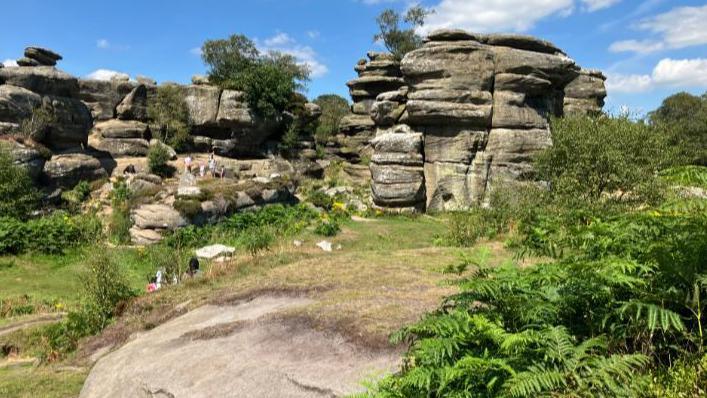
(170, 113)
(268, 79)
(594, 156)
(334, 107)
(400, 40)
(684, 117)
(16, 188)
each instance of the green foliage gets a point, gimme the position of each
(334, 108)
(105, 293)
(320, 199)
(158, 161)
(686, 378)
(290, 138)
(19, 197)
(256, 239)
(169, 112)
(189, 208)
(38, 124)
(268, 80)
(51, 234)
(120, 223)
(75, 197)
(683, 118)
(604, 158)
(401, 40)
(328, 227)
(689, 176)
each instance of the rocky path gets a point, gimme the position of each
(243, 350)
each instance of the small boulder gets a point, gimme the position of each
(43, 56)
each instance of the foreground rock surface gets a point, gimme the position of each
(236, 351)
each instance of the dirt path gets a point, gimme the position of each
(244, 350)
(31, 322)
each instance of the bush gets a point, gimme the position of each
(327, 228)
(120, 223)
(604, 158)
(189, 208)
(158, 161)
(38, 124)
(689, 176)
(334, 108)
(19, 197)
(170, 113)
(52, 234)
(256, 239)
(268, 80)
(321, 200)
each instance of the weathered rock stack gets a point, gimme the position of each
(36, 84)
(381, 73)
(470, 109)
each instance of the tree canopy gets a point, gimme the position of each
(400, 40)
(684, 117)
(268, 79)
(334, 107)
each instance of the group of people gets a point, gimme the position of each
(193, 271)
(214, 169)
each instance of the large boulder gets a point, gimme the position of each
(157, 217)
(27, 157)
(43, 80)
(43, 56)
(67, 170)
(102, 97)
(233, 111)
(122, 129)
(134, 105)
(71, 125)
(17, 103)
(203, 104)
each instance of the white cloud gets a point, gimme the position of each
(641, 47)
(668, 72)
(499, 15)
(105, 74)
(619, 83)
(280, 39)
(9, 62)
(195, 51)
(681, 72)
(594, 5)
(102, 43)
(678, 28)
(305, 55)
(313, 34)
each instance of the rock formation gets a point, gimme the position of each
(465, 110)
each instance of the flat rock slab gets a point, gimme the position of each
(236, 351)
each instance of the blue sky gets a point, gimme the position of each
(648, 48)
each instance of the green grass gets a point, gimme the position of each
(27, 381)
(54, 279)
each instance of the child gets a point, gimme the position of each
(212, 165)
(202, 169)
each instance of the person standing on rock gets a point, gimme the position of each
(212, 166)
(187, 164)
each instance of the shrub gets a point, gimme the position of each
(169, 111)
(334, 108)
(158, 161)
(256, 239)
(327, 228)
(38, 124)
(604, 158)
(399, 41)
(52, 234)
(321, 200)
(19, 197)
(120, 223)
(690, 176)
(189, 208)
(268, 80)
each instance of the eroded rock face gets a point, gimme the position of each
(481, 105)
(67, 170)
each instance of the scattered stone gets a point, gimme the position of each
(297, 243)
(148, 81)
(200, 80)
(213, 251)
(24, 61)
(325, 245)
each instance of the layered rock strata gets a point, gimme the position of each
(481, 106)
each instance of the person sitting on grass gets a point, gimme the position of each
(193, 268)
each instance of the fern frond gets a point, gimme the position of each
(654, 316)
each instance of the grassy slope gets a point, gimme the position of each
(386, 274)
